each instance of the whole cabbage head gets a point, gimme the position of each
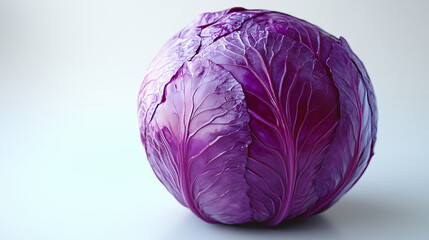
(257, 116)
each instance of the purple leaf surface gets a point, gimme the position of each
(198, 142)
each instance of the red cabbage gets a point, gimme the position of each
(257, 116)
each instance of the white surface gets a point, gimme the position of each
(71, 162)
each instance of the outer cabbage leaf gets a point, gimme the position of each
(294, 111)
(197, 142)
(353, 145)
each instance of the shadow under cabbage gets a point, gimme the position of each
(350, 214)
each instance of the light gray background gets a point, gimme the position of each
(71, 162)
